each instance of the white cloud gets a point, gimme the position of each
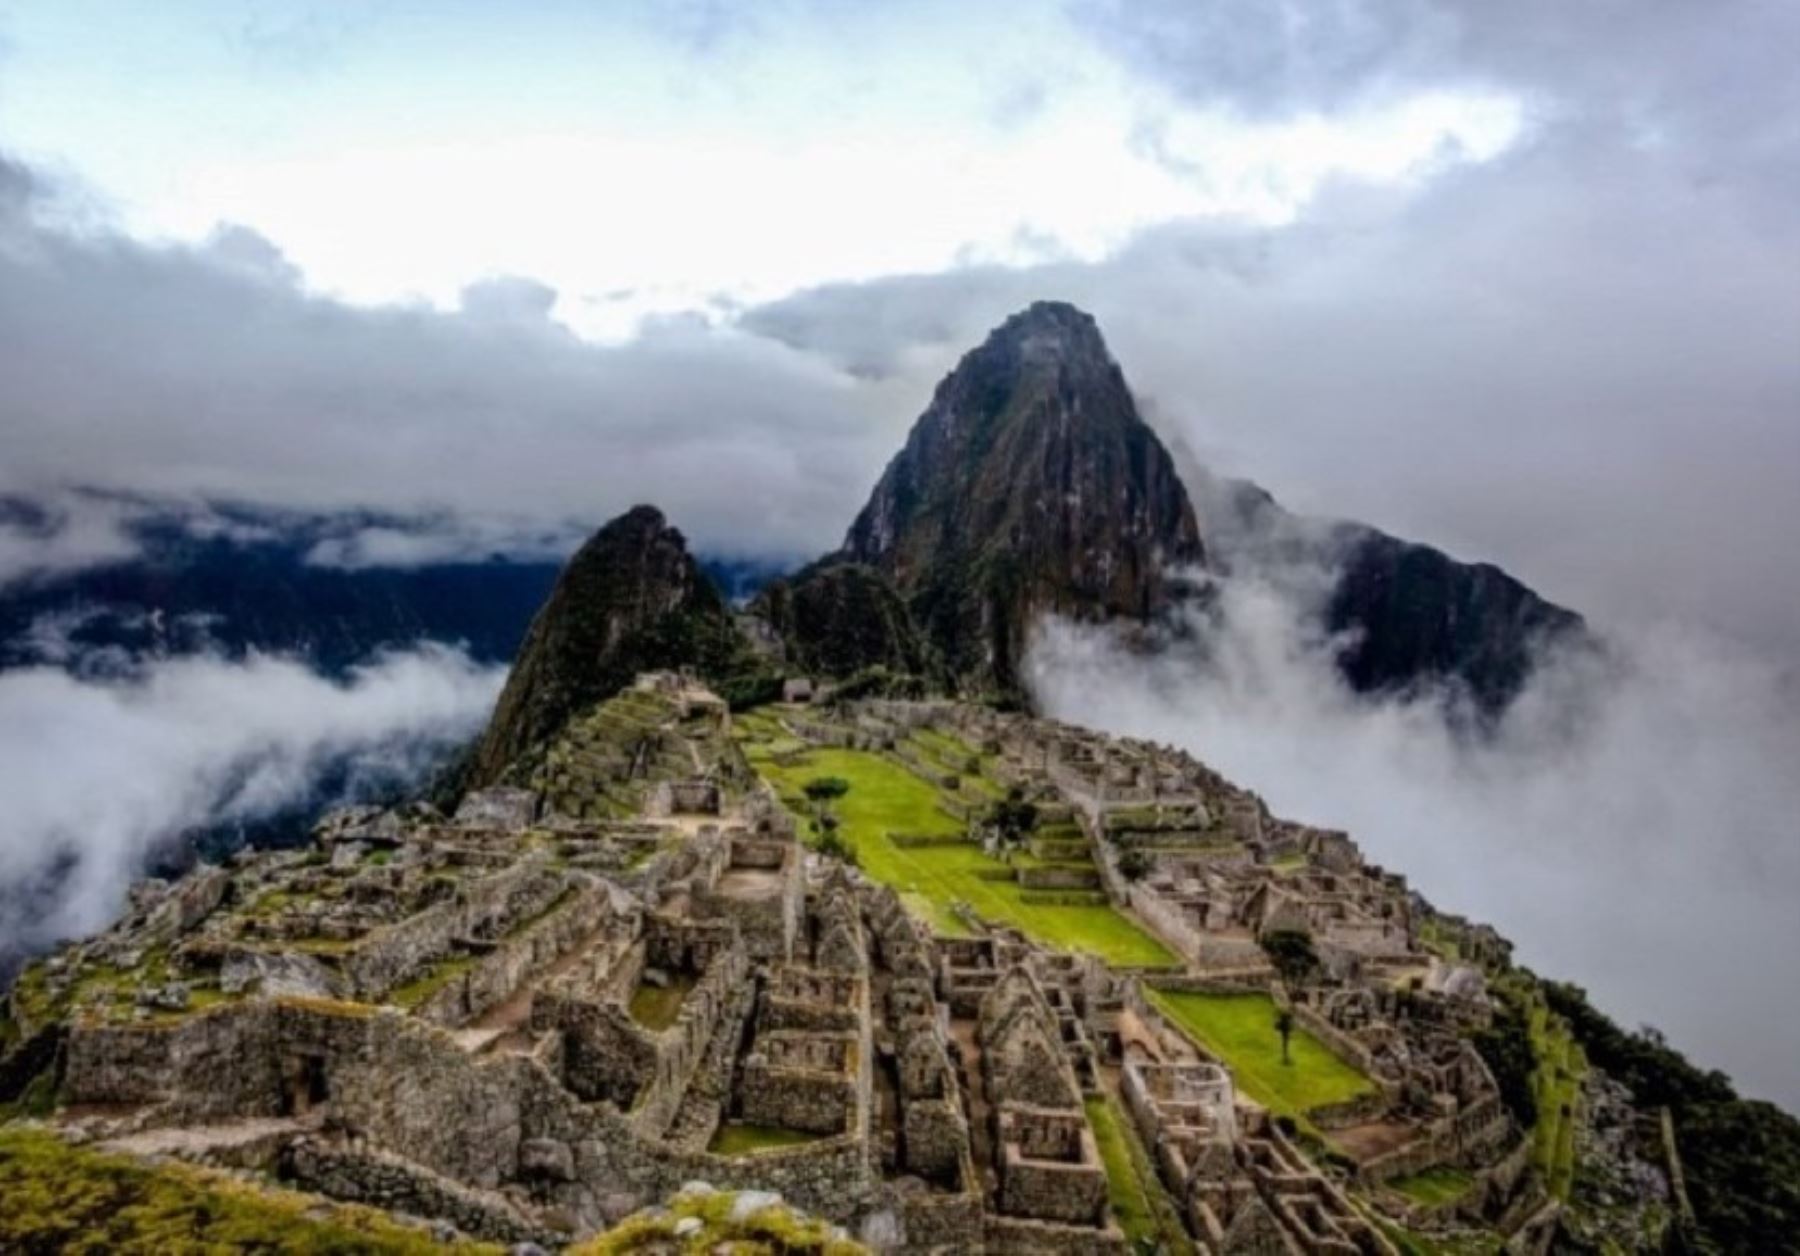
(99, 774)
(59, 531)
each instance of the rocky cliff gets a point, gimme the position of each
(1030, 484)
(836, 619)
(1408, 615)
(631, 600)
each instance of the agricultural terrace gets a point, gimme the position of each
(1240, 1030)
(1556, 1086)
(1139, 1203)
(934, 864)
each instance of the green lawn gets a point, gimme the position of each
(740, 1140)
(886, 798)
(1139, 1204)
(1240, 1030)
(657, 1007)
(1434, 1186)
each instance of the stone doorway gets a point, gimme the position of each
(304, 1085)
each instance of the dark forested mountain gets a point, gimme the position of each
(1407, 614)
(1031, 484)
(244, 579)
(255, 587)
(631, 600)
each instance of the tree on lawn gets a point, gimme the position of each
(1012, 818)
(1284, 1025)
(822, 789)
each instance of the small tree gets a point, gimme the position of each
(1012, 818)
(1134, 865)
(1284, 1025)
(1291, 951)
(831, 842)
(824, 788)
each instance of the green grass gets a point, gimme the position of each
(886, 798)
(1139, 1204)
(1556, 1085)
(414, 993)
(68, 1199)
(1240, 1030)
(658, 1007)
(741, 1140)
(1434, 1187)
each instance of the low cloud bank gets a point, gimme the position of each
(100, 774)
(1630, 825)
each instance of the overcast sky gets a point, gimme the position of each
(1518, 279)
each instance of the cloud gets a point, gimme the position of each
(1572, 360)
(61, 531)
(1629, 827)
(101, 774)
(208, 371)
(421, 542)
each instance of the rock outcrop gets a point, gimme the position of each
(1408, 615)
(631, 600)
(1030, 484)
(836, 619)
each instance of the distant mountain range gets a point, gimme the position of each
(1030, 484)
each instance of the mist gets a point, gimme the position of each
(101, 774)
(1629, 824)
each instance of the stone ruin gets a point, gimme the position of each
(558, 1006)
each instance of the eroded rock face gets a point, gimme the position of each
(1031, 484)
(631, 600)
(835, 619)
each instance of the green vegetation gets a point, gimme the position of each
(825, 788)
(657, 1007)
(1434, 1187)
(1506, 1047)
(777, 1229)
(886, 799)
(1291, 951)
(68, 1199)
(1240, 1030)
(1741, 1157)
(741, 1140)
(1556, 1090)
(414, 993)
(1139, 1203)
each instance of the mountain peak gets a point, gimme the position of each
(1048, 327)
(631, 599)
(1031, 484)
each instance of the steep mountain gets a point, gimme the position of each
(1408, 614)
(1030, 484)
(632, 599)
(836, 619)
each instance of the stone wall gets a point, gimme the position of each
(802, 1082)
(382, 1180)
(497, 975)
(486, 908)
